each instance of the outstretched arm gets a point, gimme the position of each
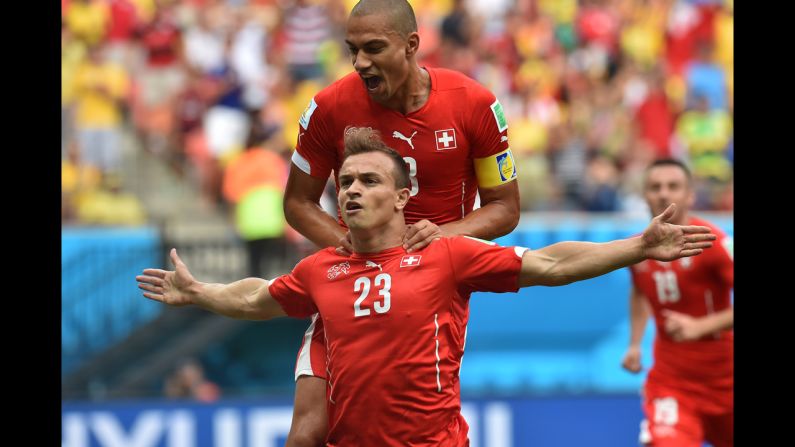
(497, 216)
(567, 262)
(247, 299)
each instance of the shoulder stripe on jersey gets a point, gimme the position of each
(301, 162)
(303, 366)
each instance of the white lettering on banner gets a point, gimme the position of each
(182, 429)
(498, 425)
(145, 431)
(490, 425)
(470, 413)
(74, 431)
(226, 429)
(264, 426)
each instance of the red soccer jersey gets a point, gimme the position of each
(395, 325)
(697, 286)
(461, 121)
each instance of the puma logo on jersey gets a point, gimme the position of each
(373, 265)
(399, 135)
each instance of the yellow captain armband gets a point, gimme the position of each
(495, 170)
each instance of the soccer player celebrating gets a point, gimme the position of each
(450, 130)
(394, 320)
(689, 393)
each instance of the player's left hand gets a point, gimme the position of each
(420, 234)
(664, 241)
(682, 327)
(168, 286)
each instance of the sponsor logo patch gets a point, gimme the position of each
(506, 166)
(499, 115)
(307, 115)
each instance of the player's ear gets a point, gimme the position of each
(403, 195)
(412, 44)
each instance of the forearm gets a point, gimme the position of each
(638, 318)
(309, 219)
(491, 221)
(718, 321)
(567, 262)
(246, 299)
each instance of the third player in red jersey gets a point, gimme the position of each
(688, 395)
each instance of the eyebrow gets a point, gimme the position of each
(363, 174)
(368, 43)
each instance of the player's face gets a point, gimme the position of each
(368, 197)
(379, 55)
(665, 185)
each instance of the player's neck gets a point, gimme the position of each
(414, 92)
(378, 239)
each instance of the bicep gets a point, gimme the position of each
(507, 194)
(266, 305)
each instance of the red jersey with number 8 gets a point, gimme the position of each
(457, 140)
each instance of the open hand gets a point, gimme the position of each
(664, 241)
(169, 287)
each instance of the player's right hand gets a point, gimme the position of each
(631, 360)
(168, 287)
(345, 247)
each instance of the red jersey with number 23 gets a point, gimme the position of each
(395, 324)
(702, 370)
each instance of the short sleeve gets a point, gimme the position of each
(314, 151)
(488, 124)
(483, 266)
(488, 132)
(292, 291)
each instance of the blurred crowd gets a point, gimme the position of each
(593, 90)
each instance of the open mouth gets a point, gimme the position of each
(372, 82)
(352, 207)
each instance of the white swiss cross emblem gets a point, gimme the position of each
(410, 261)
(445, 139)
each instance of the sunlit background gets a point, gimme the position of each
(178, 121)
